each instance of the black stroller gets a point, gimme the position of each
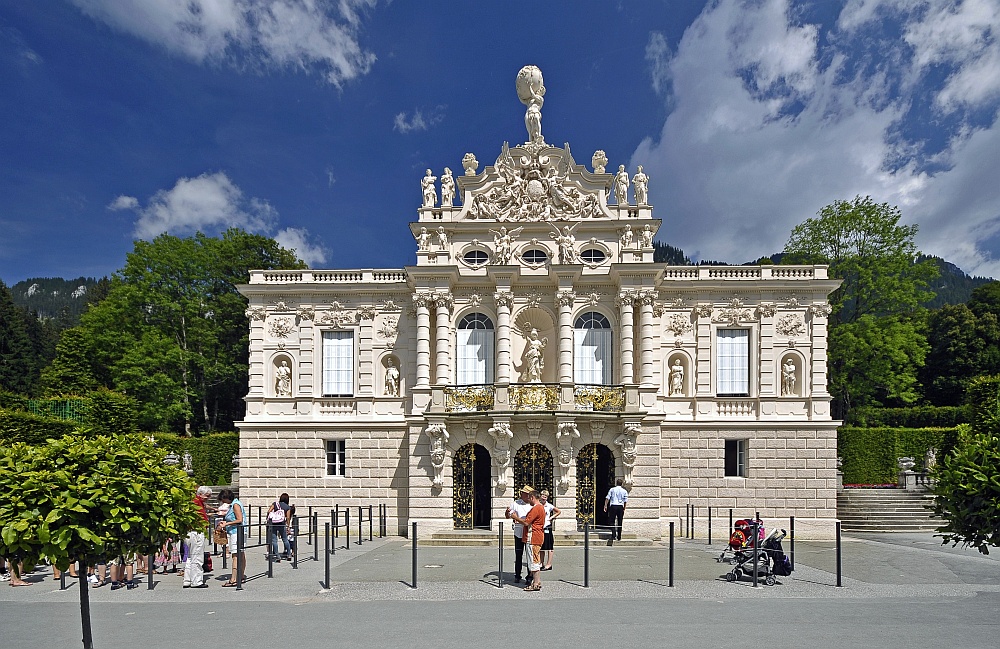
(769, 557)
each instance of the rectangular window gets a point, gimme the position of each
(475, 357)
(732, 362)
(336, 457)
(592, 356)
(338, 363)
(736, 453)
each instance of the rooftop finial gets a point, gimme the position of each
(531, 92)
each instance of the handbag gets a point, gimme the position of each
(219, 537)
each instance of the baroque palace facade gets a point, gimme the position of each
(536, 342)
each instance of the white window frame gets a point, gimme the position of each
(337, 374)
(593, 360)
(739, 447)
(474, 350)
(338, 467)
(732, 362)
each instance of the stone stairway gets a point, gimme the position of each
(886, 510)
(488, 538)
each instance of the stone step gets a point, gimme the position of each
(890, 527)
(484, 538)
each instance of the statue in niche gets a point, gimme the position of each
(391, 378)
(442, 238)
(502, 242)
(677, 378)
(621, 185)
(423, 240)
(429, 191)
(640, 182)
(788, 378)
(647, 236)
(283, 380)
(626, 237)
(534, 361)
(567, 244)
(531, 92)
(448, 188)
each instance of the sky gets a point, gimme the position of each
(312, 121)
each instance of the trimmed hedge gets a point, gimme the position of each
(983, 396)
(107, 412)
(870, 454)
(32, 429)
(211, 455)
(914, 417)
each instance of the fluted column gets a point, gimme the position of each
(442, 346)
(565, 299)
(505, 300)
(646, 299)
(422, 301)
(625, 300)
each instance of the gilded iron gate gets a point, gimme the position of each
(464, 482)
(533, 466)
(595, 473)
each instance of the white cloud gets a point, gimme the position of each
(297, 239)
(766, 126)
(658, 57)
(124, 203)
(419, 121)
(300, 34)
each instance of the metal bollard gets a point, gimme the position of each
(755, 557)
(369, 522)
(670, 580)
(791, 541)
(361, 518)
(586, 554)
(333, 523)
(336, 526)
(710, 525)
(310, 530)
(62, 578)
(240, 560)
(295, 548)
(839, 558)
(270, 558)
(150, 569)
(260, 517)
(500, 553)
(414, 542)
(326, 556)
(314, 525)
(730, 521)
(347, 526)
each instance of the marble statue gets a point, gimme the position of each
(448, 188)
(438, 435)
(647, 236)
(427, 185)
(567, 244)
(442, 238)
(531, 92)
(626, 237)
(391, 378)
(621, 185)
(640, 182)
(534, 362)
(503, 241)
(423, 240)
(599, 160)
(502, 435)
(677, 379)
(566, 432)
(627, 442)
(283, 380)
(930, 459)
(788, 378)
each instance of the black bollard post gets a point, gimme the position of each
(730, 521)
(687, 518)
(360, 521)
(414, 550)
(270, 559)
(260, 517)
(791, 541)
(500, 553)
(326, 555)
(710, 525)
(347, 526)
(586, 554)
(150, 569)
(369, 522)
(62, 579)
(314, 524)
(694, 519)
(670, 580)
(333, 541)
(336, 527)
(240, 560)
(754, 555)
(295, 548)
(839, 558)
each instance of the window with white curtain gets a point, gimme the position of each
(592, 360)
(338, 363)
(475, 350)
(732, 355)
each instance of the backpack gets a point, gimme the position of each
(277, 515)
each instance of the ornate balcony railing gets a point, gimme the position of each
(469, 398)
(600, 398)
(534, 396)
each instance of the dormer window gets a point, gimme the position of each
(593, 256)
(535, 257)
(476, 257)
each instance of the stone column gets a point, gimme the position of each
(442, 347)
(422, 301)
(625, 300)
(565, 299)
(646, 299)
(504, 300)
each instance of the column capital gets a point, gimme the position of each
(422, 299)
(443, 300)
(504, 298)
(626, 298)
(565, 298)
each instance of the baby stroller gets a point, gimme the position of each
(769, 558)
(740, 540)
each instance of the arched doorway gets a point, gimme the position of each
(472, 499)
(595, 475)
(533, 466)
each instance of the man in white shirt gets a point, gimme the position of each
(521, 509)
(614, 505)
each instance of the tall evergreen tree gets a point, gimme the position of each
(17, 366)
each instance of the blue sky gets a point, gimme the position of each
(313, 121)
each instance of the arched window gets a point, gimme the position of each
(475, 350)
(592, 349)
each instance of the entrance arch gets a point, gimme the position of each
(471, 478)
(533, 466)
(595, 475)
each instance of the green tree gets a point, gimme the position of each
(71, 371)
(962, 347)
(17, 364)
(79, 498)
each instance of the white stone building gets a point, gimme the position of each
(536, 341)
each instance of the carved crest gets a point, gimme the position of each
(790, 325)
(281, 327)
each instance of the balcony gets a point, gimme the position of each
(599, 398)
(533, 397)
(469, 398)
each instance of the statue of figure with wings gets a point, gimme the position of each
(503, 244)
(567, 243)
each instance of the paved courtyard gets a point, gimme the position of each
(900, 590)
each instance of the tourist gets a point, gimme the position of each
(551, 514)
(533, 523)
(123, 572)
(194, 569)
(277, 525)
(290, 527)
(517, 510)
(16, 574)
(234, 521)
(220, 515)
(614, 505)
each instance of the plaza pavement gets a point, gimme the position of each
(901, 590)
